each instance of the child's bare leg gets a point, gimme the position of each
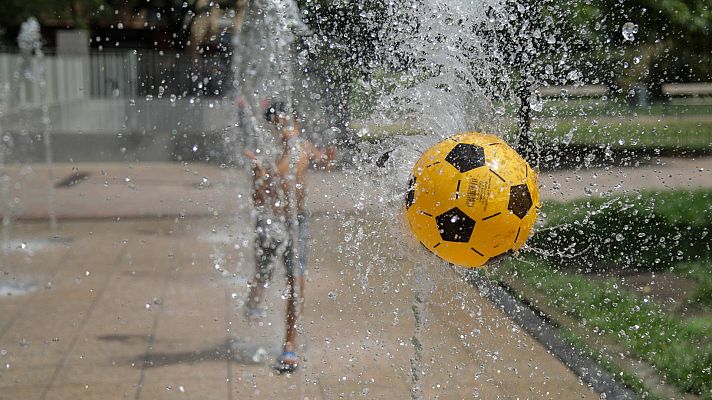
(290, 338)
(295, 306)
(254, 307)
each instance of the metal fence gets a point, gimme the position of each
(161, 74)
(115, 105)
(64, 79)
(111, 74)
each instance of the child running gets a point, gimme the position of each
(279, 196)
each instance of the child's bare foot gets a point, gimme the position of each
(287, 362)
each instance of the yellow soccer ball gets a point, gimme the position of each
(472, 198)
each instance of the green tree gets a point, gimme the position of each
(344, 41)
(532, 40)
(78, 13)
(671, 41)
(176, 16)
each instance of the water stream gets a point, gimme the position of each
(5, 142)
(427, 54)
(29, 41)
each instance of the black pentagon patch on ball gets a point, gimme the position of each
(466, 157)
(455, 226)
(410, 194)
(520, 200)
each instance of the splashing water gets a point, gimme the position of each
(437, 89)
(30, 42)
(5, 145)
(264, 67)
(629, 30)
(441, 63)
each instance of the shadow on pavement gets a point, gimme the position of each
(233, 350)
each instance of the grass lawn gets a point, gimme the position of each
(598, 107)
(632, 133)
(589, 248)
(655, 230)
(595, 122)
(679, 348)
(669, 134)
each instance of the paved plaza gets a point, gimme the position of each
(138, 296)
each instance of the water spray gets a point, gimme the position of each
(30, 42)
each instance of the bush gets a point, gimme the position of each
(650, 231)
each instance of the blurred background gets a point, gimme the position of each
(127, 222)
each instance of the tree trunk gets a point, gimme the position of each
(525, 142)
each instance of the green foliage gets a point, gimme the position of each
(597, 107)
(670, 134)
(672, 44)
(344, 44)
(652, 230)
(79, 13)
(697, 326)
(701, 296)
(680, 351)
(631, 381)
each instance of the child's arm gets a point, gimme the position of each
(260, 176)
(323, 159)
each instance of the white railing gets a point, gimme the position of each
(65, 79)
(109, 92)
(687, 89)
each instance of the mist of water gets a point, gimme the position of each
(5, 142)
(29, 40)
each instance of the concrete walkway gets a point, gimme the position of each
(114, 190)
(145, 308)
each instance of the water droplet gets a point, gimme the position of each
(629, 30)
(536, 104)
(260, 355)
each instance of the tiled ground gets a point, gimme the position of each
(127, 305)
(138, 310)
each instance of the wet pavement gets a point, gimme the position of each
(119, 190)
(139, 295)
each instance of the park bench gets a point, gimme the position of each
(688, 93)
(687, 89)
(573, 91)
